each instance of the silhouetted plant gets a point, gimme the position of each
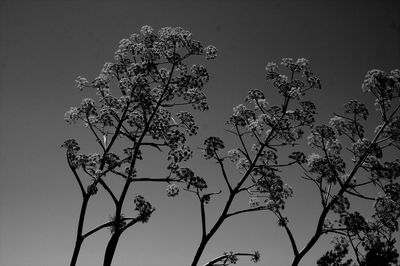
(348, 162)
(152, 77)
(267, 133)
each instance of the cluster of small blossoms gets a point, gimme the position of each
(387, 170)
(92, 189)
(356, 108)
(211, 52)
(268, 157)
(298, 66)
(255, 126)
(254, 202)
(86, 109)
(196, 182)
(230, 258)
(387, 207)
(180, 154)
(271, 205)
(346, 126)
(282, 82)
(326, 168)
(144, 208)
(391, 131)
(212, 145)
(188, 122)
(271, 67)
(242, 164)
(364, 147)
(385, 87)
(234, 155)
(239, 110)
(131, 173)
(172, 190)
(312, 158)
(333, 147)
(338, 123)
(341, 205)
(146, 30)
(72, 115)
(320, 134)
(254, 95)
(295, 93)
(81, 82)
(299, 157)
(71, 145)
(97, 174)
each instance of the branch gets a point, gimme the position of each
(94, 132)
(203, 219)
(94, 230)
(246, 210)
(242, 142)
(325, 211)
(290, 235)
(223, 171)
(155, 145)
(76, 176)
(107, 188)
(255, 256)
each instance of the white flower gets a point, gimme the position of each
(81, 82)
(172, 190)
(211, 52)
(146, 30)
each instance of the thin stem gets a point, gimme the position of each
(76, 176)
(221, 164)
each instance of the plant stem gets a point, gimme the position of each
(110, 250)
(79, 238)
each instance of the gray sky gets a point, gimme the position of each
(45, 45)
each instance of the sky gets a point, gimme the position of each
(45, 45)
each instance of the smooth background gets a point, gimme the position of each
(45, 45)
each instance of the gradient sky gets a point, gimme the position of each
(45, 45)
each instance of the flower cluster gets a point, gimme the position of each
(71, 145)
(298, 156)
(320, 135)
(172, 190)
(327, 168)
(356, 109)
(191, 180)
(211, 52)
(341, 205)
(234, 155)
(293, 88)
(387, 207)
(81, 82)
(349, 127)
(254, 202)
(273, 189)
(144, 208)
(92, 189)
(212, 145)
(364, 147)
(337, 254)
(180, 154)
(187, 121)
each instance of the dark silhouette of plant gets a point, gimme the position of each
(348, 162)
(152, 77)
(266, 134)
